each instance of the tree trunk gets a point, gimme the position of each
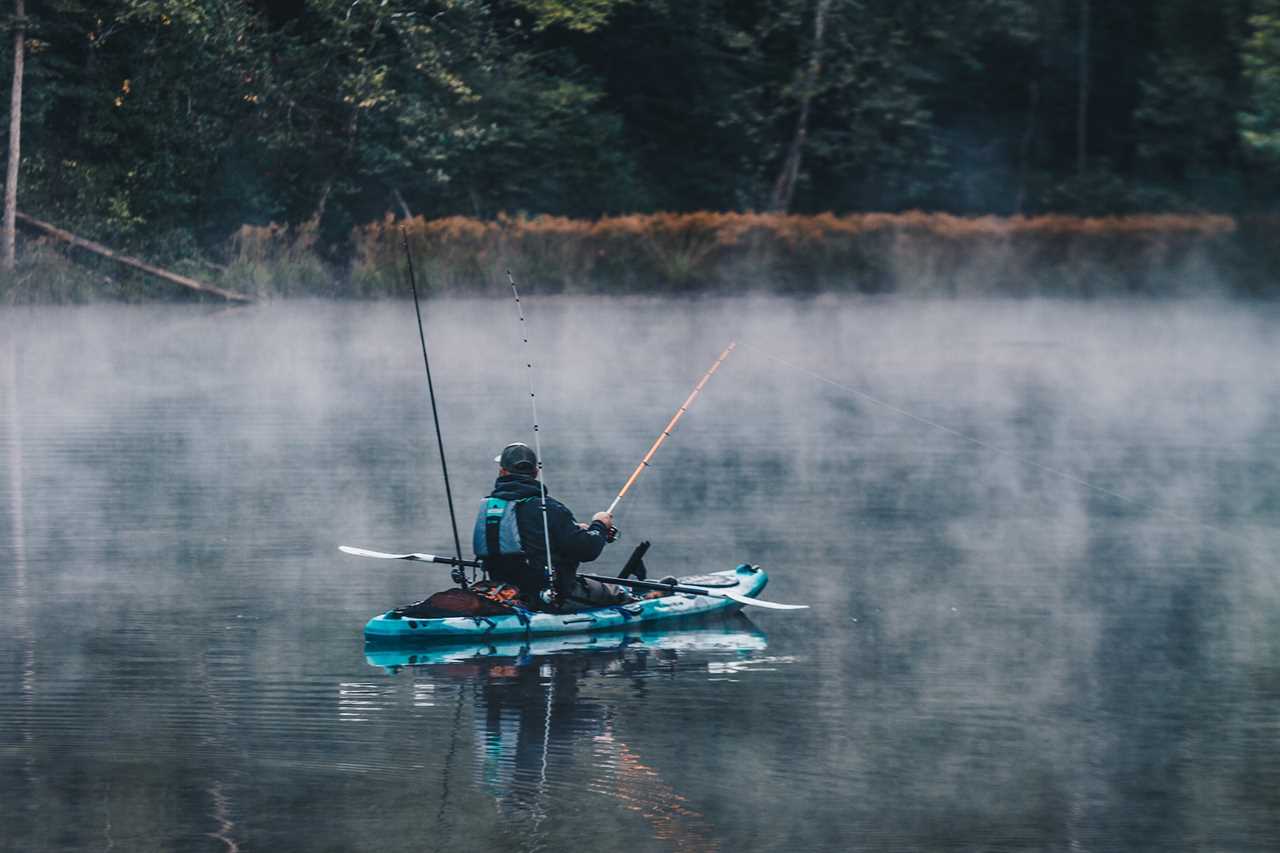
(15, 134)
(1082, 104)
(142, 266)
(404, 206)
(1024, 148)
(784, 187)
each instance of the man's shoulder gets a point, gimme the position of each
(553, 505)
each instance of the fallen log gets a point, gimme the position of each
(143, 266)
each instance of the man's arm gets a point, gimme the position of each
(569, 540)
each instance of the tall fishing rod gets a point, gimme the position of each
(666, 432)
(458, 575)
(550, 592)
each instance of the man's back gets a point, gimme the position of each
(571, 544)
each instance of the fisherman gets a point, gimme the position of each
(510, 541)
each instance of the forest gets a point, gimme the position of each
(215, 135)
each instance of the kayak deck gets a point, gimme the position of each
(744, 580)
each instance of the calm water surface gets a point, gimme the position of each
(1039, 539)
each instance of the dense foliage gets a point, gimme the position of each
(165, 125)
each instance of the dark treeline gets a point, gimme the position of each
(164, 125)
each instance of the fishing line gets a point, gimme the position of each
(458, 575)
(537, 444)
(979, 443)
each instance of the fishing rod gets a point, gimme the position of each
(550, 591)
(459, 577)
(666, 432)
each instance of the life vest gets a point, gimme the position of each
(497, 533)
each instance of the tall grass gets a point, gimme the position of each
(276, 260)
(690, 253)
(914, 253)
(45, 273)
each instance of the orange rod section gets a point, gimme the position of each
(684, 407)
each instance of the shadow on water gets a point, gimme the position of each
(538, 724)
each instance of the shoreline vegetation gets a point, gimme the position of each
(912, 254)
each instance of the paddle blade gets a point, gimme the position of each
(378, 555)
(756, 602)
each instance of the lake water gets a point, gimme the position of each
(1039, 539)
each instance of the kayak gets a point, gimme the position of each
(733, 636)
(744, 580)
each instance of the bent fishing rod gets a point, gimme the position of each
(666, 432)
(459, 577)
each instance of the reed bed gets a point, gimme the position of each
(278, 261)
(922, 254)
(912, 253)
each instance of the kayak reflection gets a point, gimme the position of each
(735, 635)
(545, 715)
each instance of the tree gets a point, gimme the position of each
(1082, 97)
(785, 186)
(15, 134)
(1260, 122)
(1188, 148)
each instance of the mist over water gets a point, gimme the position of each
(1039, 538)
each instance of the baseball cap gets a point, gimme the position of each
(518, 458)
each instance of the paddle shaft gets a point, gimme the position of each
(659, 585)
(473, 564)
(451, 561)
(666, 432)
(639, 584)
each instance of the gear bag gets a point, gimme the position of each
(483, 599)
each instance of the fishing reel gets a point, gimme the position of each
(549, 597)
(612, 534)
(459, 576)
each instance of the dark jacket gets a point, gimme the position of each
(570, 544)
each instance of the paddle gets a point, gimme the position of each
(637, 584)
(421, 558)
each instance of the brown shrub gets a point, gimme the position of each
(912, 252)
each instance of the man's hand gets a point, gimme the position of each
(606, 518)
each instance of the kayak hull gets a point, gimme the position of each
(744, 580)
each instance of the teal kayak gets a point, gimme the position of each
(745, 580)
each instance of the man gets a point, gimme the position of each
(509, 539)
